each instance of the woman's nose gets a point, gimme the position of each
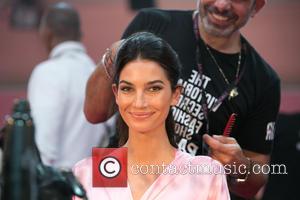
(140, 100)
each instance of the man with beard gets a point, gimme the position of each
(223, 76)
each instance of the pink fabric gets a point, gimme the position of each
(166, 186)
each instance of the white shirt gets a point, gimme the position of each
(56, 93)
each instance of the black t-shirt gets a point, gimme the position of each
(258, 100)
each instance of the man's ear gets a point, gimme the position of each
(47, 37)
(176, 95)
(115, 91)
(259, 4)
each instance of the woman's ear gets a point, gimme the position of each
(115, 91)
(176, 95)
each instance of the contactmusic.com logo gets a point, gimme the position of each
(109, 167)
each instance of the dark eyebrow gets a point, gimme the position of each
(126, 82)
(155, 81)
(149, 83)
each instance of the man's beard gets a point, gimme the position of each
(214, 29)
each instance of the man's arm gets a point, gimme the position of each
(99, 97)
(99, 100)
(237, 162)
(256, 178)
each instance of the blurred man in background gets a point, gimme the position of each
(56, 91)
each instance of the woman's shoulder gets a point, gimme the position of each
(83, 163)
(82, 166)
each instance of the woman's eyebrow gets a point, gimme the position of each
(155, 81)
(148, 83)
(126, 82)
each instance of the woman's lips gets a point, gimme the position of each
(141, 115)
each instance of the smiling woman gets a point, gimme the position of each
(144, 96)
(145, 86)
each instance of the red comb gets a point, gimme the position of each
(229, 125)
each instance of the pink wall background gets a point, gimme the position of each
(274, 32)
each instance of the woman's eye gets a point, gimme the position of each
(125, 89)
(155, 88)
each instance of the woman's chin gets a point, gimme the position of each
(143, 129)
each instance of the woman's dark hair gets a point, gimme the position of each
(145, 45)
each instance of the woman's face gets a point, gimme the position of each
(144, 95)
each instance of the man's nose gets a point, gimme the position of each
(222, 5)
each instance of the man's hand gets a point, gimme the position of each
(108, 59)
(226, 150)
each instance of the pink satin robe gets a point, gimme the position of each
(187, 186)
